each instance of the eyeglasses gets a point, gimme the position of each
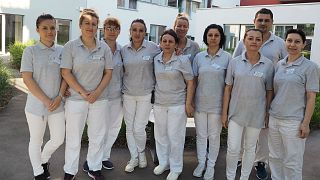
(112, 28)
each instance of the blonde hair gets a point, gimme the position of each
(111, 21)
(89, 12)
(182, 16)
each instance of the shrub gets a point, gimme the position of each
(4, 81)
(16, 50)
(315, 120)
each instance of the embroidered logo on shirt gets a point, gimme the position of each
(289, 71)
(258, 74)
(146, 58)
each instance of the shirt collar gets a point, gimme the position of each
(219, 53)
(144, 44)
(174, 57)
(42, 46)
(295, 63)
(80, 43)
(261, 60)
(271, 38)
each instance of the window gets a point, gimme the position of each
(172, 3)
(127, 4)
(280, 30)
(13, 29)
(63, 31)
(232, 33)
(307, 28)
(155, 33)
(195, 6)
(188, 7)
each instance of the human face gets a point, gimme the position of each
(168, 43)
(89, 26)
(47, 31)
(263, 22)
(213, 37)
(253, 41)
(294, 44)
(137, 32)
(111, 32)
(181, 28)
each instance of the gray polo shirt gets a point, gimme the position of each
(191, 49)
(87, 66)
(113, 90)
(291, 82)
(44, 63)
(211, 72)
(170, 87)
(274, 49)
(247, 105)
(138, 77)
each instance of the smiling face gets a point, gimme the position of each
(294, 44)
(213, 37)
(181, 28)
(89, 26)
(168, 43)
(263, 22)
(137, 32)
(47, 31)
(253, 40)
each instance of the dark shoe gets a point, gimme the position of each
(69, 176)
(261, 171)
(239, 164)
(96, 175)
(46, 169)
(85, 166)
(107, 164)
(41, 177)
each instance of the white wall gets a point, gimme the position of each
(226, 3)
(31, 9)
(283, 14)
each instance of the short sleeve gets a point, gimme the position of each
(109, 64)
(27, 60)
(67, 59)
(269, 77)
(230, 71)
(312, 78)
(185, 68)
(195, 66)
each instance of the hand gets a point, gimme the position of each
(92, 97)
(47, 103)
(224, 121)
(67, 93)
(179, 51)
(304, 131)
(84, 95)
(189, 110)
(55, 104)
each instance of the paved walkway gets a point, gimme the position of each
(15, 163)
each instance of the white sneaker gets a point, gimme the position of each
(199, 170)
(131, 165)
(142, 160)
(173, 175)
(209, 174)
(160, 169)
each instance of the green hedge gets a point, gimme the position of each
(4, 80)
(16, 50)
(315, 120)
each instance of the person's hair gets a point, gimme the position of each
(172, 33)
(139, 21)
(257, 30)
(89, 12)
(111, 21)
(219, 28)
(297, 31)
(264, 11)
(42, 18)
(182, 16)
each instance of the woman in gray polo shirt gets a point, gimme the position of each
(138, 82)
(296, 83)
(247, 96)
(87, 68)
(173, 98)
(186, 46)
(40, 67)
(209, 68)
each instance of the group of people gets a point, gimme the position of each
(262, 100)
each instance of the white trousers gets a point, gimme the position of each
(234, 145)
(208, 127)
(286, 149)
(78, 113)
(262, 151)
(113, 122)
(136, 110)
(170, 131)
(37, 126)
